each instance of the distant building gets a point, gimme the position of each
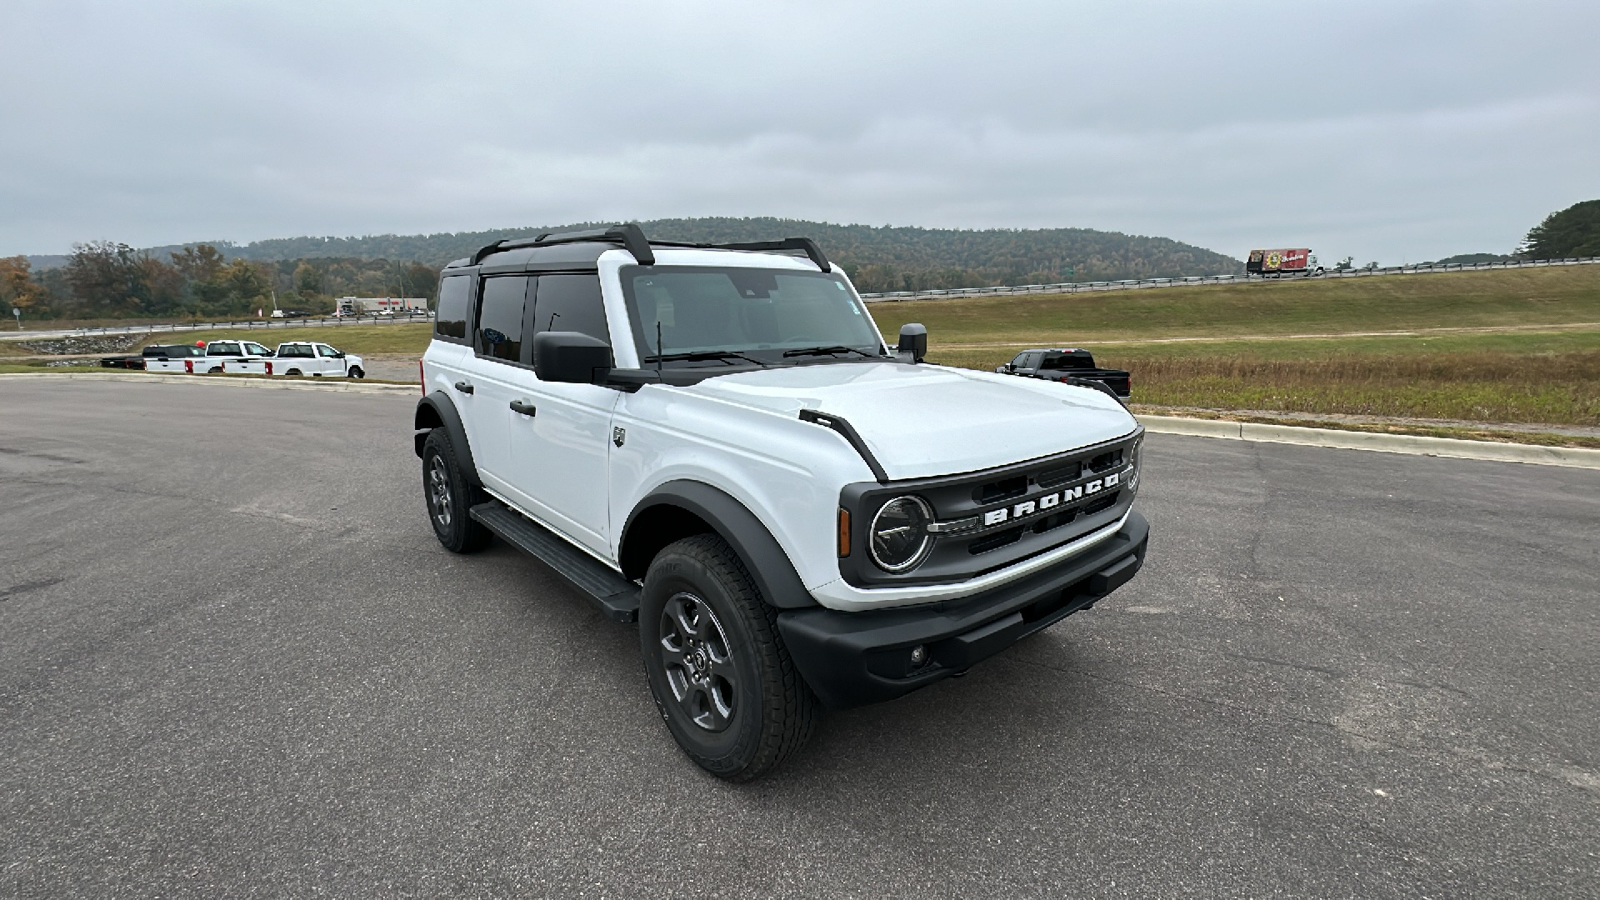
(366, 306)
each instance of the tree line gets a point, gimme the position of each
(106, 279)
(883, 258)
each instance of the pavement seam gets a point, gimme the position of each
(1414, 445)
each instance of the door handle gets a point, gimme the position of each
(463, 387)
(527, 409)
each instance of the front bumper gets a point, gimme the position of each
(855, 658)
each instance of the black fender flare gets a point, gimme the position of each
(436, 410)
(765, 560)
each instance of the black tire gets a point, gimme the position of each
(214, 370)
(292, 372)
(355, 372)
(448, 496)
(721, 677)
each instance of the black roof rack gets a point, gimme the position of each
(803, 244)
(632, 238)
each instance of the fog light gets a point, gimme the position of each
(919, 655)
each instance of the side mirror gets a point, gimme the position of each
(338, 354)
(913, 342)
(570, 357)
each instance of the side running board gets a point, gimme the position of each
(618, 597)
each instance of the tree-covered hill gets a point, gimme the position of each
(877, 258)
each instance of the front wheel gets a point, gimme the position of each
(355, 372)
(721, 677)
(449, 497)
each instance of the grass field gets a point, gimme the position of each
(1535, 358)
(1537, 373)
(1515, 297)
(1523, 377)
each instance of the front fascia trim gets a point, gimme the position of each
(839, 594)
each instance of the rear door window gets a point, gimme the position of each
(500, 315)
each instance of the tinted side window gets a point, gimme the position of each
(454, 297)
(500, 317)
(570, 303)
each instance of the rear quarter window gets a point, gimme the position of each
(454, 305)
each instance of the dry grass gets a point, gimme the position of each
(1511, 378)
(1507, 298)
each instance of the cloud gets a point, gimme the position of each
(1382, 130)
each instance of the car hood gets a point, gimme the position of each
(925, 420)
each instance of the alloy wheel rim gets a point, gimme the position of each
(698, 661)
(439, 492)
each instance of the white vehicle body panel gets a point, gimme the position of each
(741, 433)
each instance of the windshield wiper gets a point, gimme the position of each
(726, 356)
(837, 348)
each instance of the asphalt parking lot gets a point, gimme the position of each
(234, 662)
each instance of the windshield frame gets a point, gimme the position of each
(741, 356)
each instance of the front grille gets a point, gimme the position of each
(1004, 489)
(1050, 478)
(1047, 502)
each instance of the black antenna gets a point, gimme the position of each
(660, 350)
(552, 323)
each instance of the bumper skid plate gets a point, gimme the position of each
(852, 659)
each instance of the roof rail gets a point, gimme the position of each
(630, 236)
(805, 244)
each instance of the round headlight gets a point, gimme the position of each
(899, 534)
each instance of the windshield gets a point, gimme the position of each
(734, 316)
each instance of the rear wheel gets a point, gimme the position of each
(449, 497)
(292, 372)
(721, 677)
(214, 370)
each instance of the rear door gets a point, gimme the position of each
(499, 365)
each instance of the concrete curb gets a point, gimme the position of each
(1414, 445)
(346, 387)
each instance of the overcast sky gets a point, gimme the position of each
(1389, 131)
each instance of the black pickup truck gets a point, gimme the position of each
(1067, 365)
(131, 362)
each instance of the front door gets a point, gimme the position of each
(559, 455)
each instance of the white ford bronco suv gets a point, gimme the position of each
(715, 441)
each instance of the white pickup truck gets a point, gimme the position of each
(181, 358)
(301, 358)
(222, 356)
